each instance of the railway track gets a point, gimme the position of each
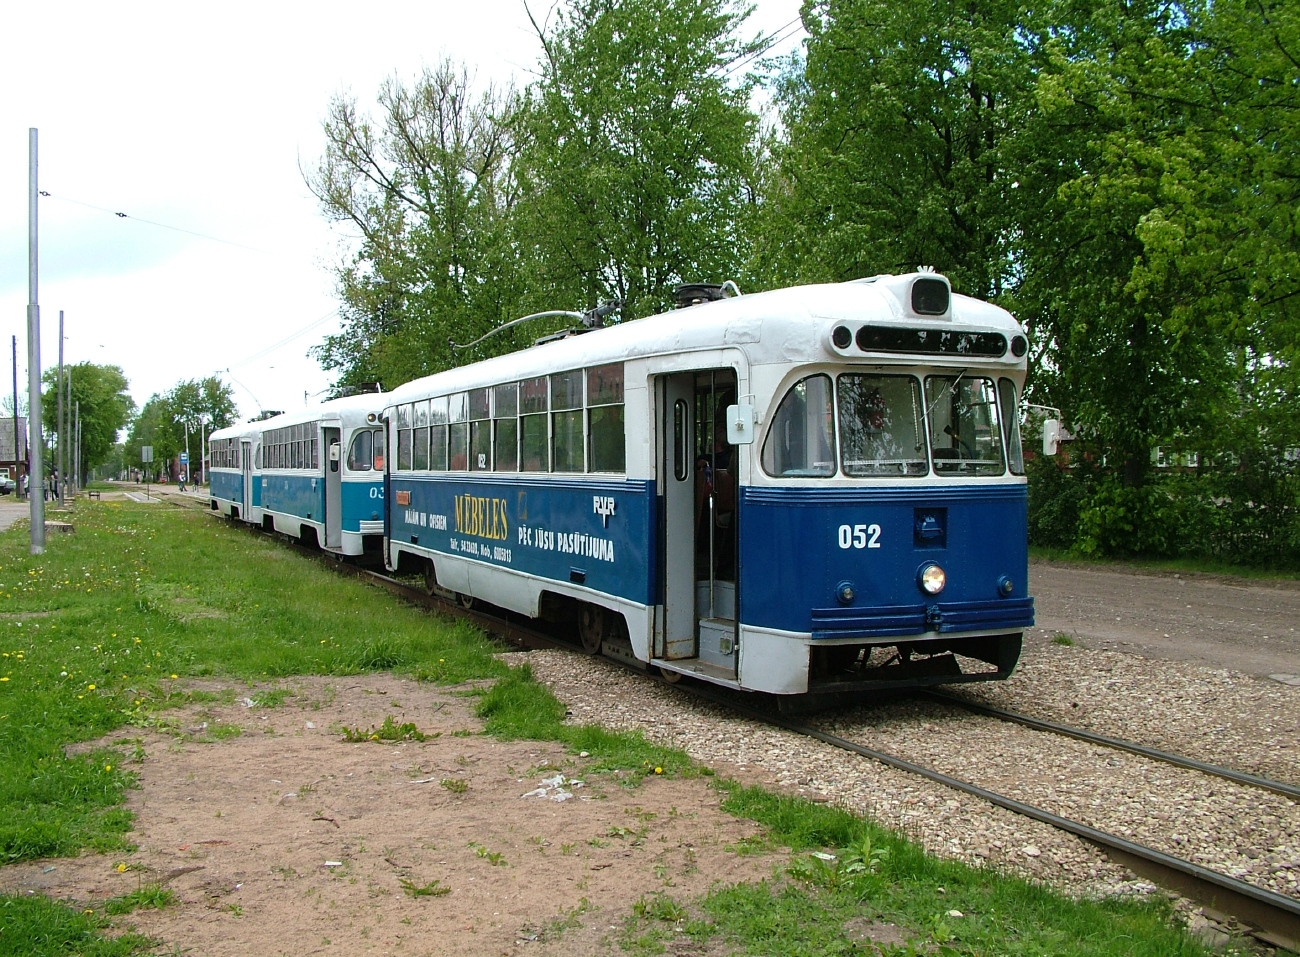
(1091, 737)
(1268, 916)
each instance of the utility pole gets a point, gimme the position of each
(66, 424)
(63, 433)
(203, 447)
(35, 442)
(76, 445)
(17, 447)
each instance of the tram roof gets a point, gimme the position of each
(786, 325)
(350, 408)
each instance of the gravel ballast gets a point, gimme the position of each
(1242, 722)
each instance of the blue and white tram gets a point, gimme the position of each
(812, 490)
(315, 474)
(232, 488)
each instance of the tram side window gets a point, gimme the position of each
(420, 441)
(605, 425)
(566, 422)
(480, 431)
(505, 428)
(534, 447)
(438, 434)
(800, 440)
(964, 434)
(457, 433)
(403, 438)
(881, 425)
(1011, 425)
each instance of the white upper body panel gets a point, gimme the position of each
(784, 326)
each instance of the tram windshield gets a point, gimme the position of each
(800, 443)
(964, 434)
(881, 425)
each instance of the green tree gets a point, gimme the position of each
(898, 128)
(635, 168)
(165, 419)
(428, 188)
(100, 393)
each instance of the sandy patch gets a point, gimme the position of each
(286, 839)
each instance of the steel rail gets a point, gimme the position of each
(1272, 917)
(1091, 737)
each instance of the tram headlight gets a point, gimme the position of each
(931, 578)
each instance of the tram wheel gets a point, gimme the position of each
(672, 677)
(430, 577)
(593, 625)
(466, 601)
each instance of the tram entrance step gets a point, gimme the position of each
(718, 642)
(697, 666)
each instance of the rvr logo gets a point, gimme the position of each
(603, 505)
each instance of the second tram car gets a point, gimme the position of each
(817, 489)
(315, 474)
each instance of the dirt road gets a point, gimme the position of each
(1212, 620)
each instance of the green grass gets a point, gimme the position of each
(879, 875)
(1190, 565)
(517, 707)
(95, 633)
(39, 927)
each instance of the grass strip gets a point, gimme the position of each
(1205, 566)
(874, 874)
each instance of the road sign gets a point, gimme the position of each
(185, 458)
(146, 453)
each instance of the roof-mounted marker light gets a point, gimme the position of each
(841, 337)
(930, 296)
(1019, 346)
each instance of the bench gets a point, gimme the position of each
(93, 493)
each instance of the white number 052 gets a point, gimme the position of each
(859, 536)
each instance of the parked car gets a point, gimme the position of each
(6, 485)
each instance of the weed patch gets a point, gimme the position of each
(389, 731)
(432, 889)
(151, 895)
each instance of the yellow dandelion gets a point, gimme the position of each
(90, 687)
(5, 678)
(108, 767)
(659, 770)
(173, 676)
(121, 868)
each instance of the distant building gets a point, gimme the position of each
(12, 466)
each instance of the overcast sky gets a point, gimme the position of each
(198, 118)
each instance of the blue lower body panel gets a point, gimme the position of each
(595, 533)
(803, 550)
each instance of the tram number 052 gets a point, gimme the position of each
(859, 536)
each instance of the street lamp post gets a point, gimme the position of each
(35, 465)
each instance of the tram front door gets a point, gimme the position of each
(246, 466)
(698, 469)
(333, 488)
